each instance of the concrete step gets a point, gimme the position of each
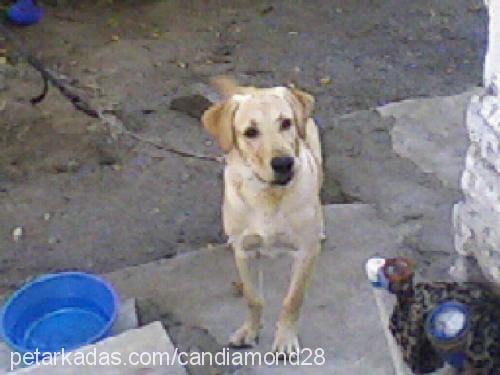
(406, 159)
(340, 315)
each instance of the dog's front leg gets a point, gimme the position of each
(286, 340)
(247, 334)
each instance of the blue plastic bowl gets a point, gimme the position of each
(25, 13)
(59, 311)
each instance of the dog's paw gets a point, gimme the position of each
(246, 336)
(286, 341)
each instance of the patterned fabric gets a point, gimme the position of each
(483, 340)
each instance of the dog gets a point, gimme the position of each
(272, 181)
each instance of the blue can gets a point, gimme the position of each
(450, 345)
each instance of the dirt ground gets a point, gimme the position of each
(86, 201)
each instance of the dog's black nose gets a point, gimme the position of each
(282, 164)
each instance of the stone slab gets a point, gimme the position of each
(432, 133)
(340, 315)
(127, 317)
(361, 163)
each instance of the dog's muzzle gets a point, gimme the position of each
(283, 169)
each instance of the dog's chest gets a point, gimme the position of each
(279, 223)
(272, 226)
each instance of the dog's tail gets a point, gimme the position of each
(228, 86)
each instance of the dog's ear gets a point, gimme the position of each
(303, 106)
(218, 121)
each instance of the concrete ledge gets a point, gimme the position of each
(340, 314)
(151, 338)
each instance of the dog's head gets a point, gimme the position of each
(263, 125)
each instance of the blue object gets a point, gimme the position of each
(434, 326)
(25, 13)
(455, 360)
(376, 284)
(59, 311)
(382, 281)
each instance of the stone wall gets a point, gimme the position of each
(492, 60)
(477, 218)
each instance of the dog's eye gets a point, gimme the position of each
(251, 132)
(285, 124)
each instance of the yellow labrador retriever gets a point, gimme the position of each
(272, 180)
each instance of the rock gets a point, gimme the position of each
(360, 163)
(17, 233)
(431, 133)
(266, 10)
(106, 157)
(192, 105)
(325, 80)
(131, 120)
(224, 50)
(71, 166)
